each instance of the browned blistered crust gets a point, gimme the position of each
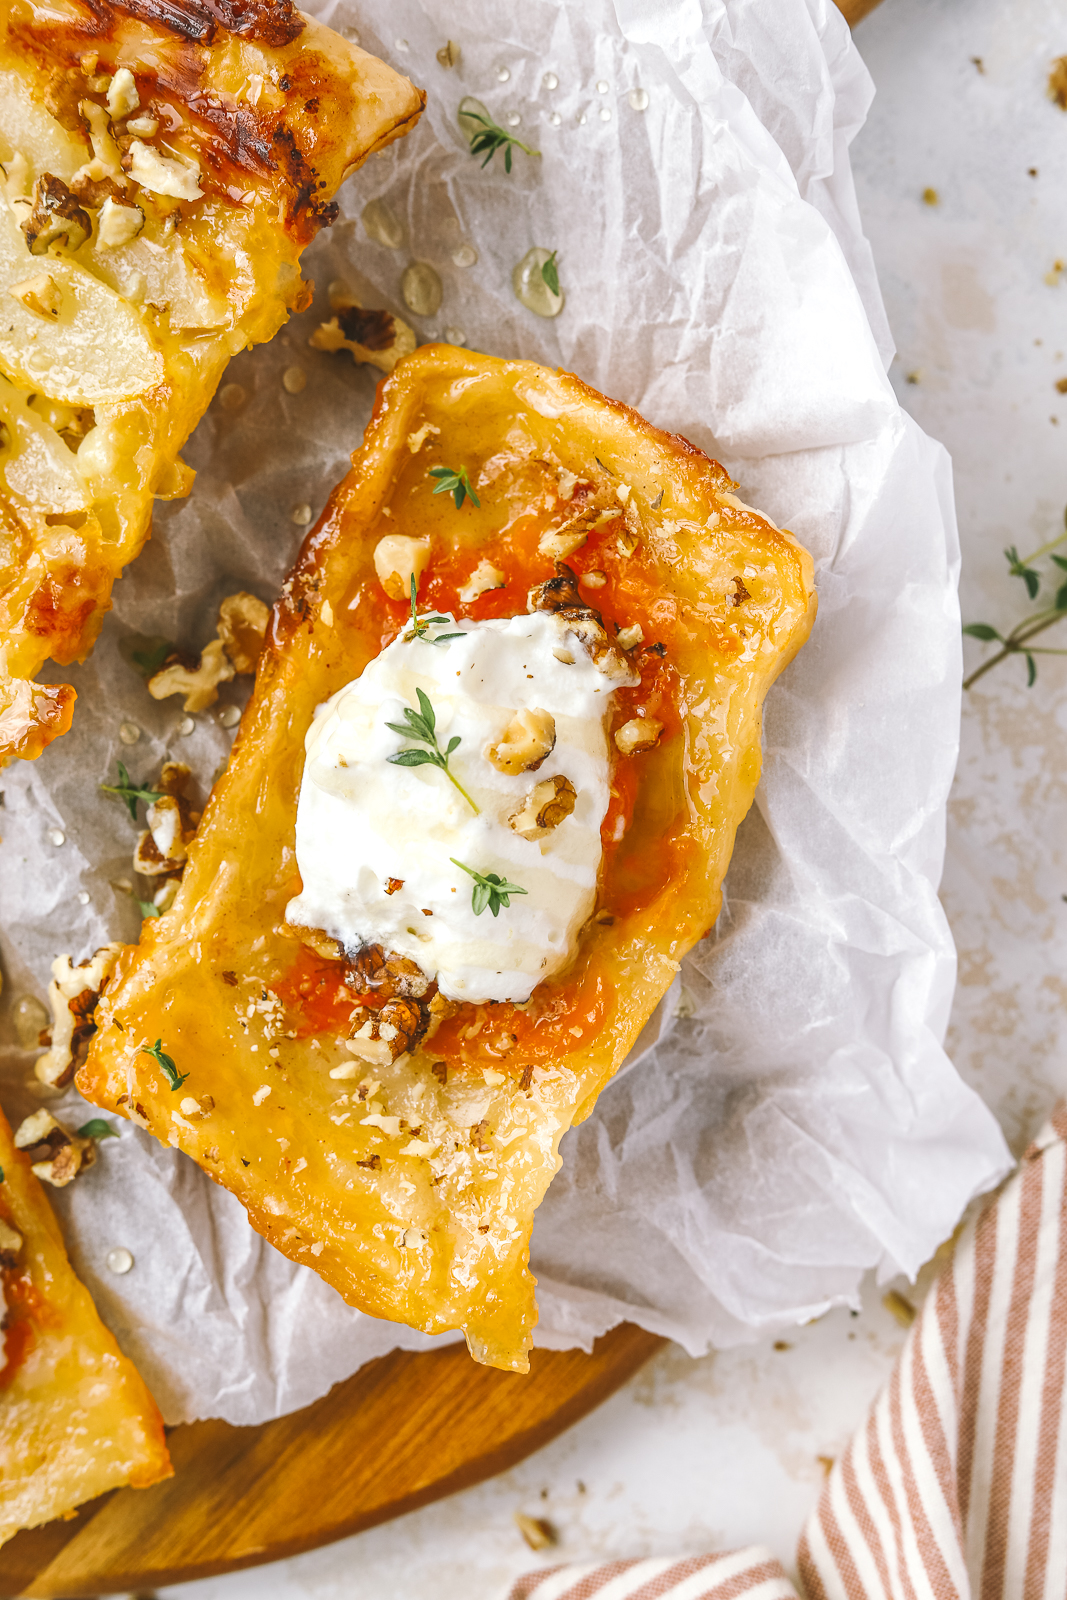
(272, 110)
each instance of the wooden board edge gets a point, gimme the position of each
(51, 1569)
(854, 11)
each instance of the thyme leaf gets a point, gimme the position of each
(454, 481)
(97, 1128)
(420, 625)
(170, 1071)
(129, 792)
(489, 889)
(1018, 640)
(421, 726)
(149, 909)
(491, 137)
(550, 273)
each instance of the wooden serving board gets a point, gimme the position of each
(403, 1431)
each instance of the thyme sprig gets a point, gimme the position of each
(420, 625)
(454, 481)
(422, 726)
(97, 1128)
(1018, 640)
(491, 137)
(129, 792)
(489, 889)
(170, 1071)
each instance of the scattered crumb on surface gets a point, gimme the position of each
(1057, 82)
(931, 197)
(900, 1307)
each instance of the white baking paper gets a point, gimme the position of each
(797, 1121)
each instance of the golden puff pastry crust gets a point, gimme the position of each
(409, 1180)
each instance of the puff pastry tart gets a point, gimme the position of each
(463, 842)
(75, 1416)
(164, 164)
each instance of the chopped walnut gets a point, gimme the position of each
(163, 847)
(739, 594)
(72, 996)
(527, 741)
(537, 1532)
(117, 224)
(640, 733)
(417, 439)
(398, 558)
(626, 638)
(320, 942)
(242, 628)
(40, 294)
(122, 96)
(484, 577)
(199, 685)
(559, 595)
(10, 1244)
(544, 808)
(374, 337)
(107, 157)
(164, 175)
(56, 219)
(56, 1156)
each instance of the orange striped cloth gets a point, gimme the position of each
(955, 1488)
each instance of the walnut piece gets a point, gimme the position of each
(640, 733)
(56, 1156)
(162, 848)
(559, 595)
(117, 224)
(527, 740)
(56, 219)
(72, 996)
(417, 439)
(165, 175)
(10, 1244)
(374, 337)
(239, 636)
(242, 628)
(107, 157)
(544, 808)
(484, 577)
(40, 294)
(200, 686)
(397, 558)
(122, 96)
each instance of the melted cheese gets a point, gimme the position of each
(363, 822)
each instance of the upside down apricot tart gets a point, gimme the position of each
(504, 727)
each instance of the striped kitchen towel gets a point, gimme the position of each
(751, 1574)
(955, 1488)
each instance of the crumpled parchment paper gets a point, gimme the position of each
(797, 1121)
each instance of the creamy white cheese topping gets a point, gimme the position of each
(362, 821)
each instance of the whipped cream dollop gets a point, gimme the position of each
(375, 841)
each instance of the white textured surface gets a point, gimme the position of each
(722, 1450)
